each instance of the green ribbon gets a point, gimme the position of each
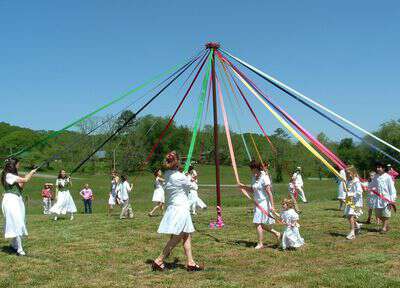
(58, 132)
(199, 112)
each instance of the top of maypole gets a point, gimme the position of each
(212, 45)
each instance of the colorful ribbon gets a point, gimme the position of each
(199, 112)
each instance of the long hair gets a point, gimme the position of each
(171, 161)
(60, 176)
(10, 166)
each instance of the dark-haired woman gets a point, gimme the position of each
(64, 204)
(264, 210)
(158, 194)
(177, 221)
(13, 206)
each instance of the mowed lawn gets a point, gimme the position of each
(100, 251)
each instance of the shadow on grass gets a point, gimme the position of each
(8, 250)
(373, 230)
(169, 265)
(336, 234)
(332, 209)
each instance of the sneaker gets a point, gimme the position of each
(55, 218)
(72, 217)
(358, 226)
(21, 253)
(259, 246)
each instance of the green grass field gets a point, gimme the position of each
(100, 251)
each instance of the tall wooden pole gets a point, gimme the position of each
(216, 144)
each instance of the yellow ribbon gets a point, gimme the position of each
(255, 147)
(289, 128)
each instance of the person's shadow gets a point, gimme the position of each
(169, 265)
(8, 250)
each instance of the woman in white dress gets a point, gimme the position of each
(194, 198)
(354, 201)
(123, 189)
(342, 189)
(291, 236)
(13, 205)
(176, 221)
(264, 209)
(64, 202)
(158, 194)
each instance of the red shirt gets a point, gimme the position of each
(46, 193)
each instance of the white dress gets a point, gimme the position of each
(291, 236)
(158, 194)
(177, 217)
(341, 189)
(113, 194)
(193, 196)
(14, 211)
(64, 204)
(370, 196)
(355, 191)
(259, 185)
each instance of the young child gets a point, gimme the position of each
(293, 194)
(47, 195)
(158, 194)
(123, 191)
(112, 199)
(87, 196)
(194, 198)
(354, 201)
(341, 189)
(299, 184)
(291, 238)
(370, 197)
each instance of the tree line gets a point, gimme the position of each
(128, 150)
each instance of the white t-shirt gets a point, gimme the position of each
(259, 186)
(11, 178)
(123, 189)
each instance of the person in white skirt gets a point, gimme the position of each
(354, 201)
(370, 197)
(113, 195)
(341, 189)
(123, 189)
(13, 205)
(264, 209)
(291, 238)
(64, 202)
(177, 220)
(158, 194)
(194, 198)
(299, 184)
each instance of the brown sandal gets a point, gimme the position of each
(195, 268)
(157, 267)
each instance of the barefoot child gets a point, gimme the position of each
(264, 209)
(158, 194)
(47, 195)
(291, 238)
(354, 201)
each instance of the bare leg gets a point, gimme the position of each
(272, 231)
(385, 222)
(159, 205)
(187, 246)
(352, 223)
(173, 241)
(260, 233)
(369, 215)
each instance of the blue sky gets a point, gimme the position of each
(62, 59)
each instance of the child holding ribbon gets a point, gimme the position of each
(264, 209)
(354, 201)
(291, 236)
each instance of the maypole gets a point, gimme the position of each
(220, 223)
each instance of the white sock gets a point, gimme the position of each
(72, 216)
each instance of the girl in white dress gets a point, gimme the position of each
(158, 194)
(13, 205)
(64, 203)
(299, 184)
(354, 201)
(264, 209)
(176, 221)
(370, 197)
(194, 198)
(291, 236)
(341, 189)
(113, 195)
(123, 189)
